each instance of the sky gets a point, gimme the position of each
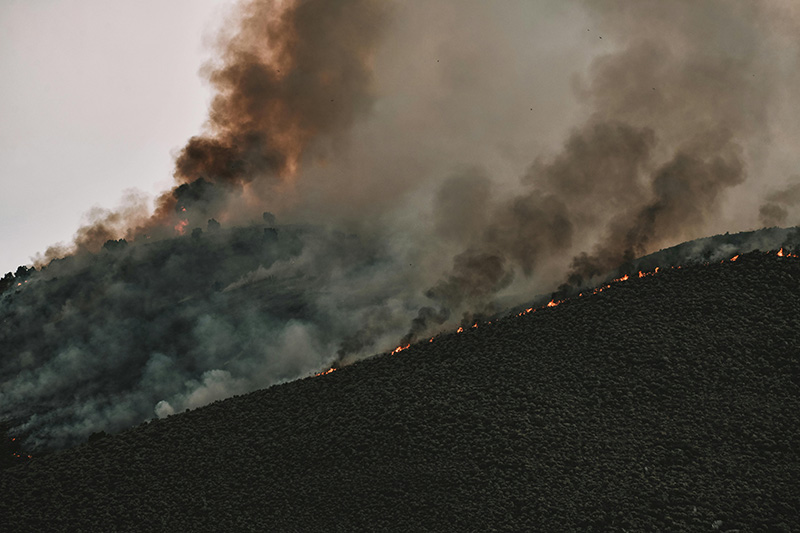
(99, 97)
(95, 98)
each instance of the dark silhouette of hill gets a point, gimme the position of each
(105, 341)
(668, 402)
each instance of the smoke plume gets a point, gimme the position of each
(427, 163)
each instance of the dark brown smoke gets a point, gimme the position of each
(289, 80)
(672, 108)
(291, 77)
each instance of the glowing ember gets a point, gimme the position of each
(180, 227)
(400, 349)
(553, 302)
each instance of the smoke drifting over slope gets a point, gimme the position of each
(482, 153)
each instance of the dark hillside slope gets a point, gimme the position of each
(663, 403)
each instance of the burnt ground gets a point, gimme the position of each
(664, 403)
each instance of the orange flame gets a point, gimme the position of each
(553, 302)
(331, 369)
(400, 349)
(780, 252)
(180, 227)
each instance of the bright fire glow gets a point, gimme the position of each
(180, 227)
(400, 349)
(554, 302)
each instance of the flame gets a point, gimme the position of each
(183, 209)
(553, 302)
(400, 349)
(783, 253)
(180, 227)
(331, 369)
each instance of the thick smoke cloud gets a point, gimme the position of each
(675, 111)
(288, 78)
(430, 163)
(775, 210)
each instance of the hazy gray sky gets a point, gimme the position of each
(95, 96)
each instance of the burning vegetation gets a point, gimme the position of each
(554, 302)
(664, 403)
(413, 197)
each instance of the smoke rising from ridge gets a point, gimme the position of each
(290, 76)
(674, 110)
(429, 163)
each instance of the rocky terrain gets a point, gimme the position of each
(668, 402)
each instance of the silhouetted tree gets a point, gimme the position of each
(6, 282)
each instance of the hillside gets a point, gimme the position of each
(668, 402)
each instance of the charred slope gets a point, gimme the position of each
(664, 403)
